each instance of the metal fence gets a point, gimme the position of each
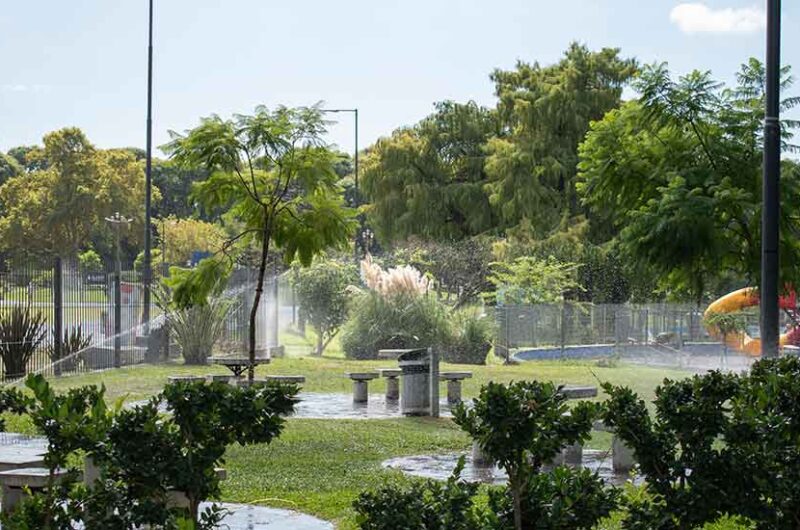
(656, 332)
(63, 306)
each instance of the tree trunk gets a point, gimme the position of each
(517, 494)
(262, 272)
(320, 344)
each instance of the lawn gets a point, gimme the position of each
(320, 466)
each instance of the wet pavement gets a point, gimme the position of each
(247, 517)
(318, 405)
(440, 467)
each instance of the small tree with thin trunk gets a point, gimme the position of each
(274, 177)
(522, 426)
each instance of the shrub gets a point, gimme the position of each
(422, 505)
(197, 328)
(472, 338)
(400, 321)
(565, 498)
(522, 426)
(322, 292)
(22, 331)
(73, 342)
(142, 455)
(719, 444)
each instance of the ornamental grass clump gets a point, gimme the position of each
(197, 328)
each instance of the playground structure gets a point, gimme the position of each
(748, 297)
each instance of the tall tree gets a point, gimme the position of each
(678, 171)
(546, 112)
(427, 180)
(275, 176)
(58, 210)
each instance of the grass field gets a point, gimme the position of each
(320, 466)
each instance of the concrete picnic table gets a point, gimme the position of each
(238, 365)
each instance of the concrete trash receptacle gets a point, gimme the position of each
(415, 399)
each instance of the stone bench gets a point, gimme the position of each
(392, 376)
(579, 392)
(18, 458)
(17, 482)
(186, 379)
(454, 384)
(287, 379)
(360, 385)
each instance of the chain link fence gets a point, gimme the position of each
(664, 334)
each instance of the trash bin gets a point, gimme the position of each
(415, 399)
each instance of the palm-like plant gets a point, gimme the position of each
(21, 332)
(198, 327)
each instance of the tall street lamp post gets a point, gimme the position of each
(355, 160)
(771, 194)
(148, 265)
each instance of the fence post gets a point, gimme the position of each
(117, 317)
(563, 327)
(58, 315)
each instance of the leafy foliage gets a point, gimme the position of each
(377, 322)
(22, 331)
(472, 337)
(719, 444)
(528, 280)
(522, 426)
(59, 208)
(275, 177)
(678, 171)
(563, 498)
(323, 296)
(422, 505)
(198, 328)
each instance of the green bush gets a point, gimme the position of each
(422, 505)
(472, 338)
(198, 328)
(400, 321)
(718, 444)
(564, 498)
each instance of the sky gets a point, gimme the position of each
(84, 62)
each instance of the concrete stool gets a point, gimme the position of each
(479, 457)
(392, 376)
(178, 499)
(219, 378)
(360, 382)
(622, 458)
(186, 379)
(570, 455)
(15, 481)
(287, 379)
(454, 384)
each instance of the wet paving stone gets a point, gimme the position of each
(440, 467)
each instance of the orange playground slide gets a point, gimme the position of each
(742, 299)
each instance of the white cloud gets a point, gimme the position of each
(696, 17)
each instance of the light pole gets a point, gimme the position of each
(117, 221)
(770, 213)
(357, 200)
(355, 157)
(148, 266)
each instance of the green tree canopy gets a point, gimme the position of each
(427, 180)
(274, 176)
(679, 173)
(60, 210)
